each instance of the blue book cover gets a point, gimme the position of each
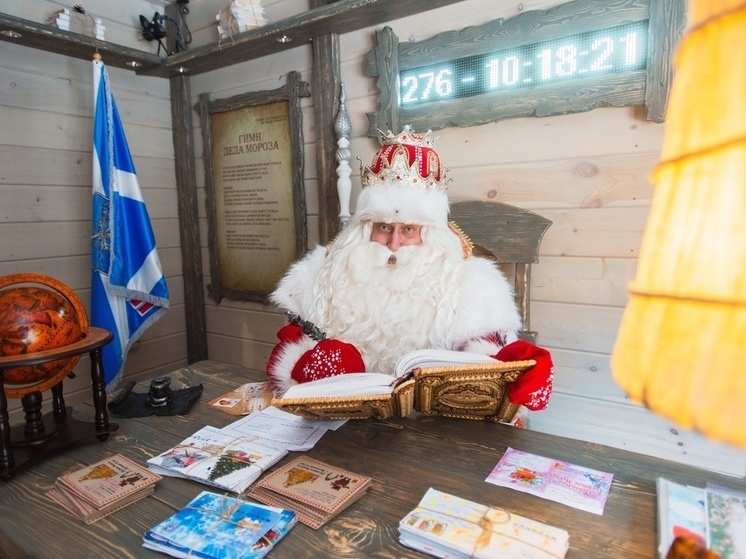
(215, 526)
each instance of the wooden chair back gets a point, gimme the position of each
(509, 235)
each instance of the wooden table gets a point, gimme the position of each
(403, 456)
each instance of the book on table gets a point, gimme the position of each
(432, 381)
(315, 490)
(447, 526)
(216, 526)
(97, 490)
(711, 518)
(219, 458)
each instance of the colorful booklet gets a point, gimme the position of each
(315, 490)
(246, 399)
(104, 487)
(450, 527)
(681, 513)
(575, 486)
(218, 458)
(215, 526)
(712, 518)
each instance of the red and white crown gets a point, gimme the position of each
(406, 182)
(408, 158)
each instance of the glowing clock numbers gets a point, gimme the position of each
(608, 51)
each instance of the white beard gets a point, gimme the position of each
(387, 309)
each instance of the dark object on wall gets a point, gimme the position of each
(159, 400)
(156, 30)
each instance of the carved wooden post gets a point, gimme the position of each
(342, 127)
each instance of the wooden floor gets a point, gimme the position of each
(403, 456)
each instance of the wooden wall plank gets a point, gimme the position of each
(69, 132)
(637, 430)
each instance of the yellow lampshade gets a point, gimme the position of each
(681, 348)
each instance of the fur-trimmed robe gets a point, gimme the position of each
(440, 300)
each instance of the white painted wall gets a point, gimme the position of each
(586, 172)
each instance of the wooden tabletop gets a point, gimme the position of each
(403, 456)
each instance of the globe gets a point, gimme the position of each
(35, 318)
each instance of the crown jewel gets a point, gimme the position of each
(407, 158)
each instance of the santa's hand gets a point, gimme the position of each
(533, 388)
(328, 358)
(298, 358)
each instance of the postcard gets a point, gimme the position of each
(247, 398)
(726, 521)
(575, 486)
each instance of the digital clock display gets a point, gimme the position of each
(608, 51)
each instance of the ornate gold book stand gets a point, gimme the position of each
(464, 391)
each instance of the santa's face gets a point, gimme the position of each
(396, 235)
(386, 299)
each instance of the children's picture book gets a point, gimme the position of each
(726, 521)
(219, 458)
(247, 398)
(575, 486)
(216, 526)
(681, 513)
(315, 490)
(447, 526)
(97, 490)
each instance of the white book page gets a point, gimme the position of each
(369, 384)
(438, 358)
(353, 384)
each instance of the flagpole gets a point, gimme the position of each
(128, 288)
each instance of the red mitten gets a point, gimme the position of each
(533, 388)
(328, 359)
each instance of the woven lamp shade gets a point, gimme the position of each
(681, 348)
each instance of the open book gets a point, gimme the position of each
(432, 381)
(366, 384)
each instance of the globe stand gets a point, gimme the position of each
(43, 434)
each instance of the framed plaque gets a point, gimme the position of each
(254, 181)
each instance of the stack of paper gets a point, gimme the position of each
(219, 458)
(81, 23)
(219, 526)
(444, 525)
(240, 16)
(316, 491)
(98, 490)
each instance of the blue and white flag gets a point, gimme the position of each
(128, 290)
